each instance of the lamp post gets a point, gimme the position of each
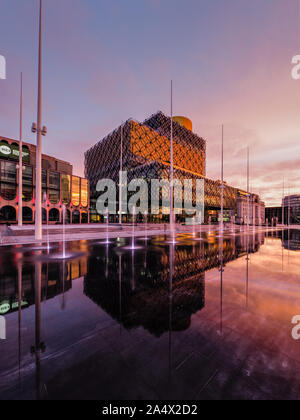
(41, 131)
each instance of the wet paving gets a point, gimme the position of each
(206, 318)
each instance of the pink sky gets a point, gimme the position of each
(105, 62)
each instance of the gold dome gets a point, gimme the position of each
(185, 122)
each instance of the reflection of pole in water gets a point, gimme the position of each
(221, 269)
(39, 346)
(171, 258)
(20, 315)
(63, 305)
(247, 273)
(133, 271)
(282, 251)
(106, 263)
(120, 291)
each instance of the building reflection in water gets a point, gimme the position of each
(163, 294)
(158, 288)
(17, 286)
(291, 240)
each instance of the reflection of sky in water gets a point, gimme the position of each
(136, 328)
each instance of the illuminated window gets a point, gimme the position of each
(84, 192)
(75, 191)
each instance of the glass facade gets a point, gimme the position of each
(58, 187)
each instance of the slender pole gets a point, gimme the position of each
(20, 218)
(222, 182)
(289, 209)
(38, 181)
(121, 184)
(171, 169)
(221, 285)
(283, 203)
(248, 180)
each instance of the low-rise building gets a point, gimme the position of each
(59, 187)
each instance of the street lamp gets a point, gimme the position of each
(40, 131)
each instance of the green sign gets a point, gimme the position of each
(4, 307)
(12, 152)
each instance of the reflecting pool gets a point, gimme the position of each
(201, 319)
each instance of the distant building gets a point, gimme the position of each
(254, 209)
(274, 214)
(291, 212)
(291, 206)
(146, 155)
(59, 187)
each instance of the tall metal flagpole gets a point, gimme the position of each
(248, 192)
(20, 218)
(38, 182)
(222, 183)
(121, 178)
(172, 170)
(283, 203)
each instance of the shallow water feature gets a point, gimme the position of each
(205, 319)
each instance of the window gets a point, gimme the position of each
(54, 184)
(54, 180)
(8, 172)
(54, 196)
(28, 175)
(84, 192)
(27, 214)
(66, 189)
(8, 214)
(53, 215)
(75, 191)
(44, 178)
(27, 193)
(8, 191)
(76, 217)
